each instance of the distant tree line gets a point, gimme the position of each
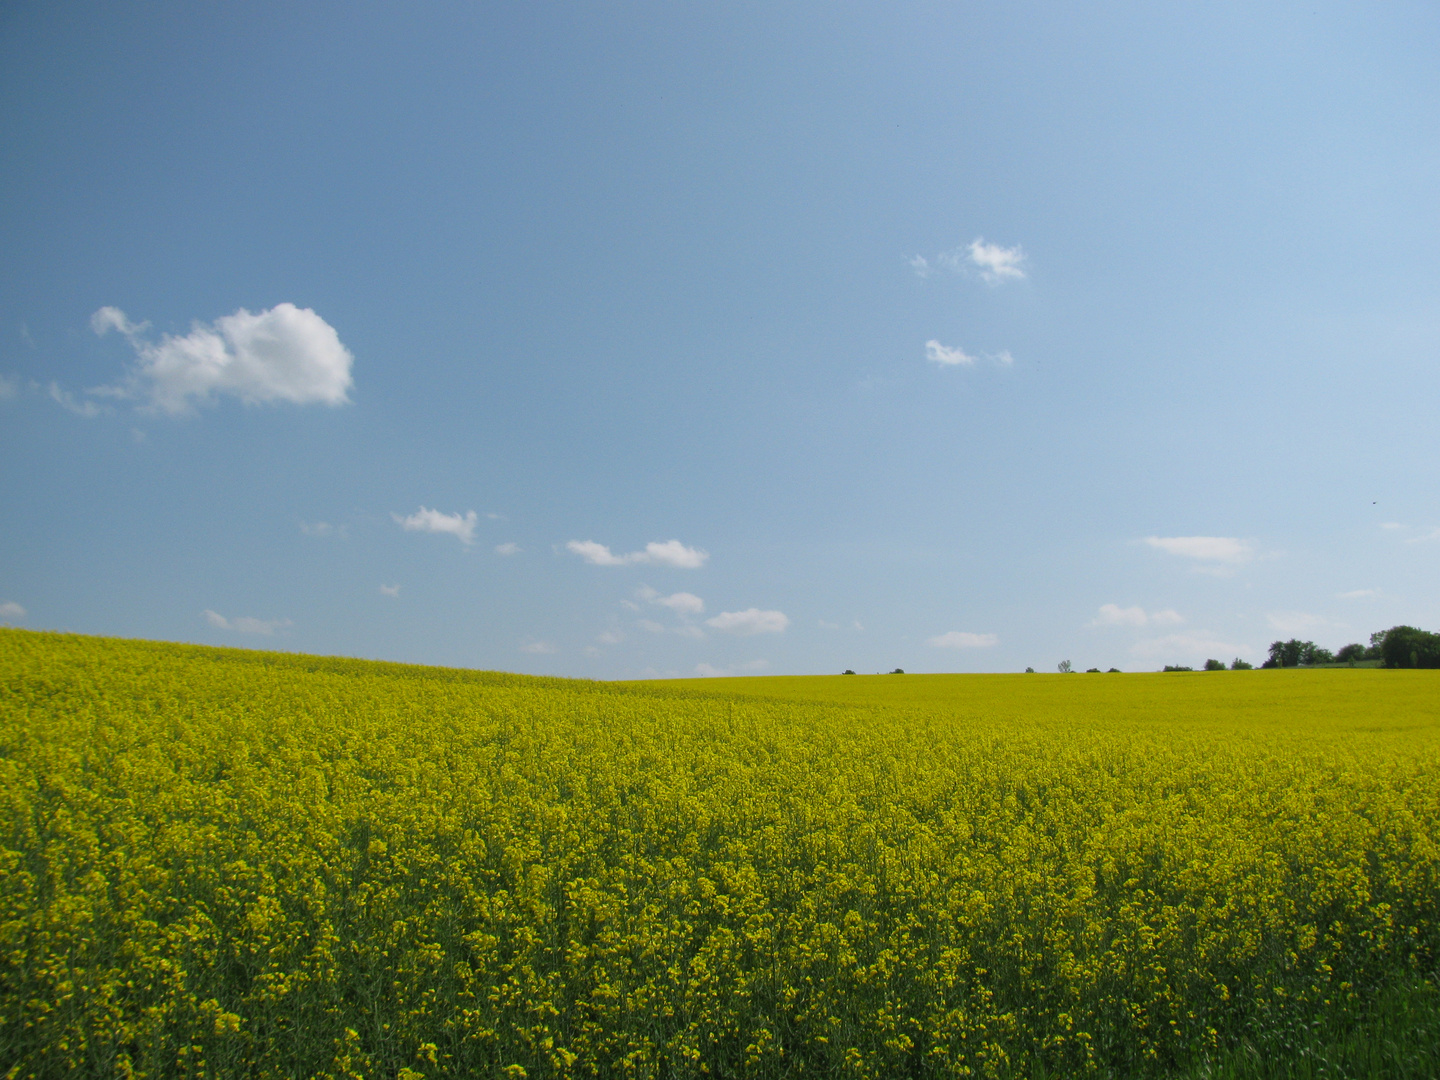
(1398, 647)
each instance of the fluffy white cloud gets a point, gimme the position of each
(1115, 615)
(943, 354)
(245, 624)
(423, 520)
(284, 353)
(509, 548)
(683, 602)
(543, 648)
(961, 639)
(750, 621)
(390, 590)
(668, 553)
(996, 263)
(1194, 648)
(1216, 549)
(11, 610)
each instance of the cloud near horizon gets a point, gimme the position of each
(750, 621)
(285, 353)
(11, 610)
(245, 624)
(961, 639)
(433, 521)
(656, 553)
(1115, 615)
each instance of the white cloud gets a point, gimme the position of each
(1358, 594)
(961, 639)
(1391, 525)
(943, 354)
(1192, 647)
(509, 548)
(245, 624)
(1433, 534)
(324, 528)
(683, 602)
(750, 621)
(1217, 549)
(11, 610)
(824, 625)
(668, 553)
(284, 353)
(1003, 357)
(651, 625)
(611, 637)
(67, 401)
(920, 265)
(539, 648)
(996, 263)
(709, 671)
(1115, 615)
(689, 631)
(1298, 622)
(390, 590)
(434, 521)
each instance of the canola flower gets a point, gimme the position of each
(221, 863)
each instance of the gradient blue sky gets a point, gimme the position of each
(957, 337)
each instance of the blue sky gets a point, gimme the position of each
(620, 340)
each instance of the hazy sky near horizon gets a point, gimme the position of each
(634, 339)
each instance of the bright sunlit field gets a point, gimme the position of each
(227, 863)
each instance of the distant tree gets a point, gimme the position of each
(898, 671)
(1348, 654)
(1064, 667)
(1241, 665)
(1214, 665)
(1114, 671)
(1405, 646)
(1029, 671)
(847, 671)
(1092, 671)
(1177, 667)
(1291, 653)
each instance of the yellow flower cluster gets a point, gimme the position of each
(219, 863)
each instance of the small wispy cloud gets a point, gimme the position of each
(1115, 615)
(611, 637)
(1391, 525)
(461, 526)
(710, 671)
(539, 648)
(389, 590)
(70, 403)
(246, 624)
(1227, 550)
(962, 639)
(8, 388)
(508, 548)
(1433, 534)
(11, 610)
(656, 553)
(322, 529)
(920, 265)
(682, 603)
(1299, 622)
(651, 625)
(282, 354)
(1358, 594)
(750, 621)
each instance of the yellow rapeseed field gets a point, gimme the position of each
(225, 863)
